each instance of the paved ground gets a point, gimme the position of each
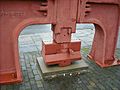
(96, 79)
(33, 29)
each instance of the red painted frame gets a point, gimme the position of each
(15, 15)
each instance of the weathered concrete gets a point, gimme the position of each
(78, 66)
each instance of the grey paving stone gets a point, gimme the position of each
(41, 88)
(24, 68)
(21, 88)
(29, 70)
(3, 87)
(37, 77)
(34, 87)
(29, 48)
(26, 78)
(35, 72)
(32, 82)
(30, 75)
(21, 56)
(23, 64)
(27, 86)
(16, 87)
(39, 84)
(32, 63)
(25, 73)
(28, 65)
(10, 87)
(33, 67)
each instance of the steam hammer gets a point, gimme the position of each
(62, 51)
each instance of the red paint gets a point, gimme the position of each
(100, 13)
(62, 54)
(63, 15)
(59, 51)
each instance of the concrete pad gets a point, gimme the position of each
(54, 70)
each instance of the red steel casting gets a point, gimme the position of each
(15, 15)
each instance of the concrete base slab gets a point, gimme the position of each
(75, 68)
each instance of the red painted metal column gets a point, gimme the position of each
(104, 14)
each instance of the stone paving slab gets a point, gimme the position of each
(53, 71)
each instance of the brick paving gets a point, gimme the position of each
(96, 79)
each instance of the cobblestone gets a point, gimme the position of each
(35, 72)
(37, 77)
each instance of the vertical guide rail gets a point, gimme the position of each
(62, 51)
(99, 12)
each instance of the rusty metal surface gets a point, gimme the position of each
(63, 15)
